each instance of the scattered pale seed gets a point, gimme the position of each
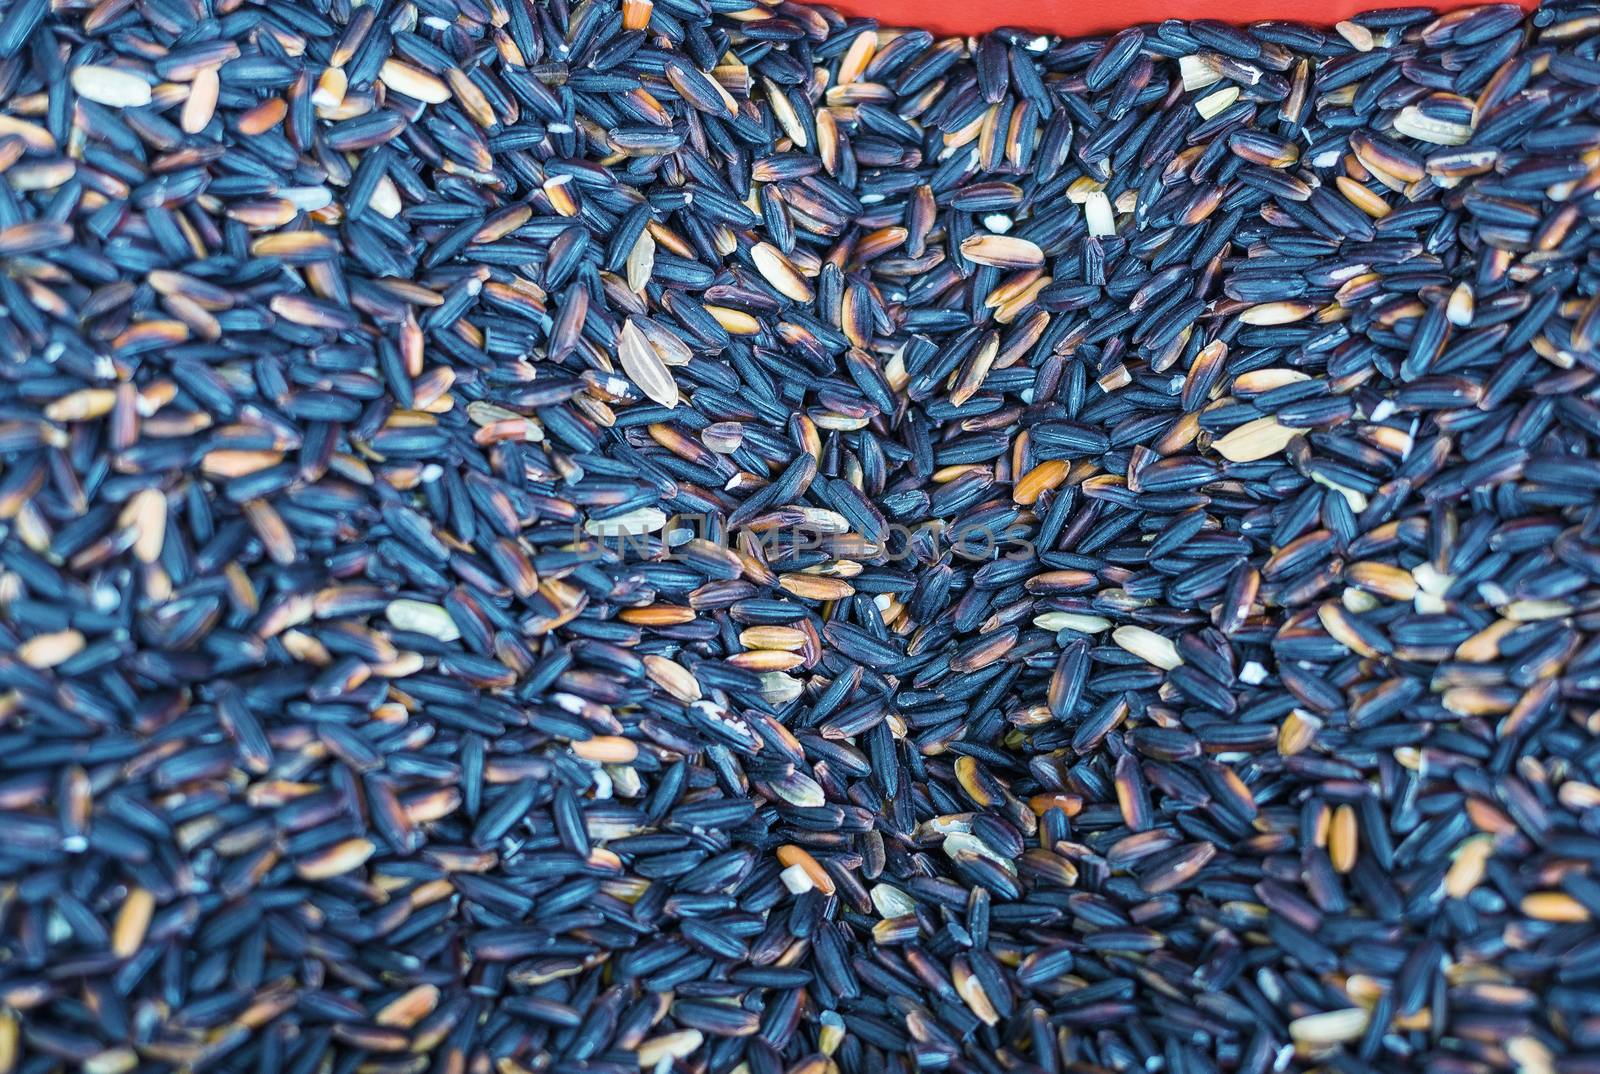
(133, 922)
(644, 366)
(1329, 1027)
(1274, 313)
(1213, 103)
(420, 617)
(1413, 123)
(780, 273)
(1555, 906)
(1467, 866)
(1097, 214)
(659, 1052)
(1083, 624)
(201, 104)
(1258, 439)
(1198, 72)
(1002, 251)
(113, 87)
(50, 650)
(414, 82)
(1148, 646)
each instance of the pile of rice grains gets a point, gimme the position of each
(720, 537)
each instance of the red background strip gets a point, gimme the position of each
(1077, 18)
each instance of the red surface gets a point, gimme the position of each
(1077, 17)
